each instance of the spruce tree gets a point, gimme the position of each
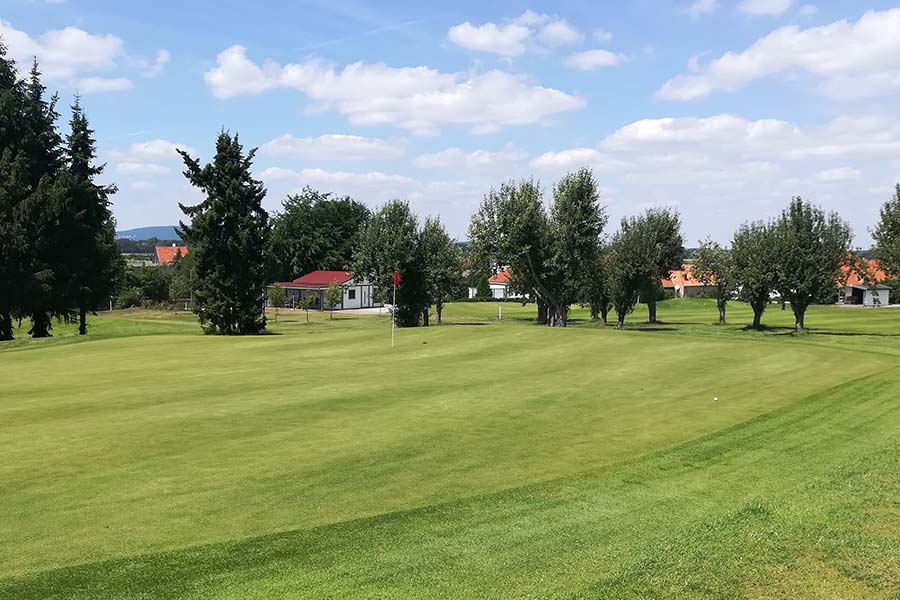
(42, 214)
(228, 237)
(95, 262)
(12, 186)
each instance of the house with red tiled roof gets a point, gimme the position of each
(165, 255)
(864, 286)
(685, 285)
(500, 286)
(356, 294)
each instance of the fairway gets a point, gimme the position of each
(478, 459)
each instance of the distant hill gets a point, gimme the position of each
(162, 232)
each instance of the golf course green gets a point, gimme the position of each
(477, 459)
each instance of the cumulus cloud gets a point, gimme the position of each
(764, 8)
(334, 147)
(457, 158)
(701, 8)
(512, 38)
(153, 157)
(505, 40)
(593, 59)
(417, 99)
(851, 59)
(335, 179)
(69, 53)
(838, 174)
(95, 85)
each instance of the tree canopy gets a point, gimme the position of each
(713, 266)
(228, 235)
(887, 235)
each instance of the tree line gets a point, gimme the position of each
(58, 258)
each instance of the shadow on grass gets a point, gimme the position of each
(476, 323)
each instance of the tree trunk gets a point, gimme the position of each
(425, 318)
(40, 325)
(651, 309)
(758, 308)
(542, 312)
(82, 321)
(799, 317)
(6, 326)
(559, 315)
(604, 314)
(439, 308)
(721, 304)
(620, 320)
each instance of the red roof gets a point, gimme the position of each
(501, 277)
(682, 278)
(165, 255)
(319, 279)
(875, 274)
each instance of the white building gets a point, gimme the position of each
(355, 294)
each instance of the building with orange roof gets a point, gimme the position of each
(165, 255)
(685, 285)
(864, 286)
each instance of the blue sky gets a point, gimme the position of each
(723, 109)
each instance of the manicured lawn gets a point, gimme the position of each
(479, 459)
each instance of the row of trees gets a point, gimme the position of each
(798, 256)
(58, 257)
(559, 255)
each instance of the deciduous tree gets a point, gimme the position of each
(887, 235)
(333, 296)
(753, 259)
(389, 242)
(713, 266)
(443, 265)
(277, 298)
(810, 248)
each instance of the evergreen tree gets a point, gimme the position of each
(228, 236)
(483, 289)
(43, 213)
(12, 189)
(96, 264)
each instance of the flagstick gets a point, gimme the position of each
(393, 316)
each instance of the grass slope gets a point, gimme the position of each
(479, 459)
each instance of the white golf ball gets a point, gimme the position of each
(715, 398)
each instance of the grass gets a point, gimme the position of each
(479, 459)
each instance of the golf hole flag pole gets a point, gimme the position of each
(394, 306)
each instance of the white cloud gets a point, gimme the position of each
(154, 67)
(853, 59)
(701, 8)
(153, 151)
(413, 98)
(601, 35)
(334, 147)
(140, 168)
(560, 33)
(512, 38)
(330, 179)
(66, 54)
(838, 174)
(764, 8)
(457, 158)
(593, 59)
(575, 158)
(505, 40)
(95, 85)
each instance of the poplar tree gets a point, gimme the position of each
(228, 236)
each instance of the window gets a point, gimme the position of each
(351, 294)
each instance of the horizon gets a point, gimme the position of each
(723, 110)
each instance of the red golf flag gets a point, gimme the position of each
(396, 278)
